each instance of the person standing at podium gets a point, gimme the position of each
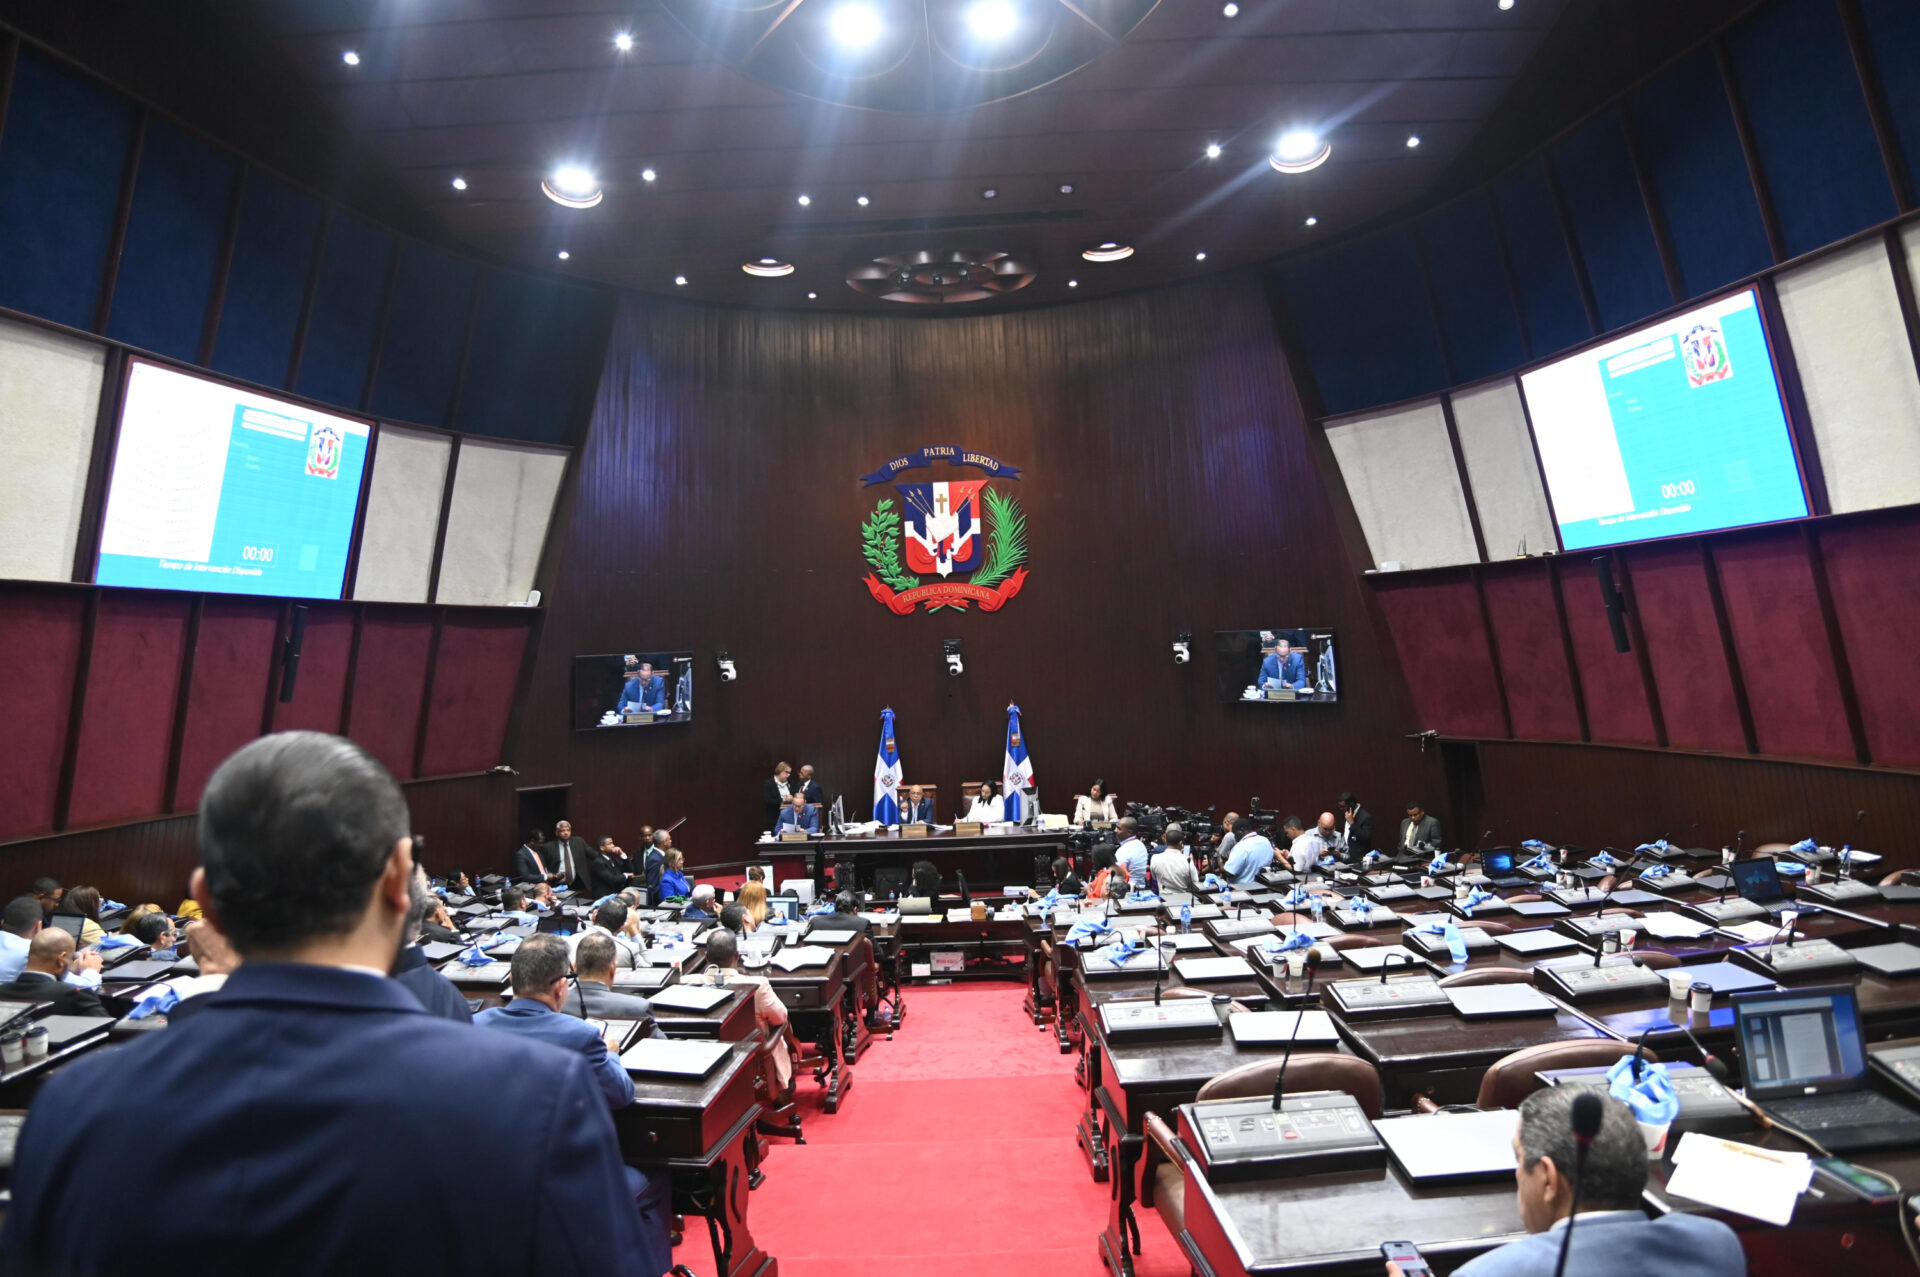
(797, 817)
(918, 809)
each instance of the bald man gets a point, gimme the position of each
(49, 958)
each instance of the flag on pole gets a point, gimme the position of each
(1016, 773)
(886, 775)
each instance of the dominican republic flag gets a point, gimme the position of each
(886, 775)
(1016, 773)
(942, 525)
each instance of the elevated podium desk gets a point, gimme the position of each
(988, 860)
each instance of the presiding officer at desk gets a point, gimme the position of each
(1283, 667)
(1611, 1234)
(305, 867)
(918, 809)
(644, 690)
(797, 817)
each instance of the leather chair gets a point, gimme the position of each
(1491, 928)
(1311, 1071)
(1353, 940)
(1526, 898)
(1511, 1079)
(1163, 1185)
(780, 1110)
(864, 980)
(1487, 975)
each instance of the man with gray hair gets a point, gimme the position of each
(769, 1012)
(700, 905)
(593, 965)
(1612, 1233)
(1173, 867)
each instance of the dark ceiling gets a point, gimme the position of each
(500, 92)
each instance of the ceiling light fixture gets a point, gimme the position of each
(855, 25)
(992, 19)
(1108, 252)
(680, 280)
(1213, 150)
(1413, 141)
(623, 41)
(805, 200)
(1066, 188)
(1300, 151)
(1313, 221)
(563, 254)
(1200, 256)
(862, 200)
(573, 187)
(767, 268)
(351, 58)
(648, 175)
(1229, 10)
(459, 183)
(1073, 283)
(991, 192)
(811, 296)
(1505, 5)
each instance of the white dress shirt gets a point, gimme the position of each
(988, 810)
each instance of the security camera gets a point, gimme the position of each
(955, 667)
(1183, 649)
(727, 672)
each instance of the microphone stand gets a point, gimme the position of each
(1587, 1114)
(1280, 1078)
(1159, 966)
(1386, 964)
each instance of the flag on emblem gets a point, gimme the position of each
(1016, 773)
(942, 525)
(886, 775)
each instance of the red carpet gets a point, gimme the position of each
(953, 1153)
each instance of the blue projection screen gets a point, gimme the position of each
(1674, 428)
(225, 490)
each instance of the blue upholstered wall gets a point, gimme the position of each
(1369, 336)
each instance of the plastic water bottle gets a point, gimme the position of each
(1319, 903)
(1186, 917)
(1456, 943)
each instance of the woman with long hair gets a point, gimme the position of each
(753, 902)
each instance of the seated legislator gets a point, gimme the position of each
(22, 920)
(1309, 846)
(1419, 830)
(1252, 852)
(918, 809)
(306, 866)
(1095, 804)
(674, 883)
(83, 903)
(528, 863)
(436, 993)
(539, 976)
(594, 961)
(1172, 865)
(796, 816)
(926, 880)
(1612, 1233)
(1107, 880)
(48, 892)
(987, 806)
(700, 905)
(156, 931)
(44, 978)
(1283, 667)
(753, 903)
(1065, 881)
(644, 690)
(612, 919)
(846, 915)
(769, 1012)
(606, 868)
(1131, 855)
(437, 926)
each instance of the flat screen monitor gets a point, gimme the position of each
(632, 689)
(222, 489)
(1278, 666)
(1676, 427)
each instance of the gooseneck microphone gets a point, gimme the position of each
(1386, 964)
(1313, 966)
(1159, 966)
(1640, 1050)
(1280, 1078)
(1587, 1112)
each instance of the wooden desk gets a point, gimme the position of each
(814, 997)
(988, 861)
(731, 1021)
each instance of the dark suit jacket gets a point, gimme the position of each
(1429, 832)
(605, 875)
(434, 932)
(1360, 837)
(607, 1004)
(813, 792)
(920, 813)
(770, 796)
(436, 993)
(524, 867)
(578, 847)
(356, 1064)
(655, 862)
(67, 999)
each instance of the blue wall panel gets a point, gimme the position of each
(1549, 296)
(272, 255)
(60, 162)
(1470, 285)
(178, 219)
(1810, 123)
(425, 321)
(1364, 323)
(346, 310)
(1610, 222)
(534, 359)
(1692, 152)
(1893, 29)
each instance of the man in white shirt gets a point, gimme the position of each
(613, 921)
(1173, 866)
(19, 924)
(1308, 845)
(987, 807)
(1131, 854)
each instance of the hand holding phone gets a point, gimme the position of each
(1405, 1260)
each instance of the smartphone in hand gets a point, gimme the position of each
(1412, 1263)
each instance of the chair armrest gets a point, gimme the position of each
(1425, 1104)
(1159, 1149)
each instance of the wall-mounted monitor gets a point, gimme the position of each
(218, 488)
(1673, 428)
(1278, 666)
(632, 689)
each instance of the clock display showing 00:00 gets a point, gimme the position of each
(257, 553)
(1674, 491)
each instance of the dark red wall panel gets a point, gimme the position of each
(1781, 642)
(1615, 694)
(389, 683)
(231, 664)
(320, 689)
(126, 724)
(39, 652)
(1533, 660)
(1443, 649)
(473, 684)
(1873, 570)
(1683, 643)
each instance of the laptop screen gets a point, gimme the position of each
(1757, 880)
(1499, 862)
(1801, 1041)
(787, 907)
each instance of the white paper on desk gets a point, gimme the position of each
(1761, 1182)
(1674, 926)
(1758, 932)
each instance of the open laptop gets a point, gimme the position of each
(785, 908)
(1806, 1066)
(1758, 881)
(1498, 866)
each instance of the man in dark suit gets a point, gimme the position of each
(1418, 829)
(809, 787)
(1357, 822)
(529, 865)
(44, 978)
(436, 993)
(643, 690)
(305, 868)
(1283, 667)
(594, 960)
(566, 856)
(656, 863)
(796, 816)
(776, 791)
(918, 809)
(606, 872)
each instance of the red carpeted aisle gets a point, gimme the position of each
(954, 1153)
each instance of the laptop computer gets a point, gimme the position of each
(1758, 882)
(1806, 1066)
(1498, 866)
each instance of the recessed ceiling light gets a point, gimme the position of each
(1506, 4)
(855, 25)
(1073, 283)
(862, 200)
(459, 183)
(805, 200)
(767, 267)
(1108, 252)
(680, 280)
(1413, 141)
(1229, 10)
(563, 254)
(1299, 151)
(573, 186)
(992, 19)
(623, 41)
(1313, 221)
(647, 175)
(1066, 188)
(1213, 150)
(1200, 256)
(991, 192)
(351, 58)
(811, 296)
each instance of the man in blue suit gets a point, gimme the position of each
(540, 989)
(796, 815)
(271, 1096)
(1612, 1233)
(918, 809)
(645, 690)
(1283, 667)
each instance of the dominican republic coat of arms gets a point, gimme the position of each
(948, 543)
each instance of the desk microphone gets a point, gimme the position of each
(1787, 927)
(1159, 966)
(1587, 1113)
(1280, 1078)
(1313, 965)
(1387, 962)
(1640, 1051)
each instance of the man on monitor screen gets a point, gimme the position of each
(797, 817)
(644, 689)
(1283, 667)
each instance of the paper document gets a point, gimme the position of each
(1761, 1182)
(1758, 932)
(1673, 926)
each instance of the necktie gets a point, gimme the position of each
(537, 862)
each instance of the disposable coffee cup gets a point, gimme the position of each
(1702, 998)
(1296, 962)
(36, 1042)
(12, 1049)
(1679, 985)
(1655, 1134)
